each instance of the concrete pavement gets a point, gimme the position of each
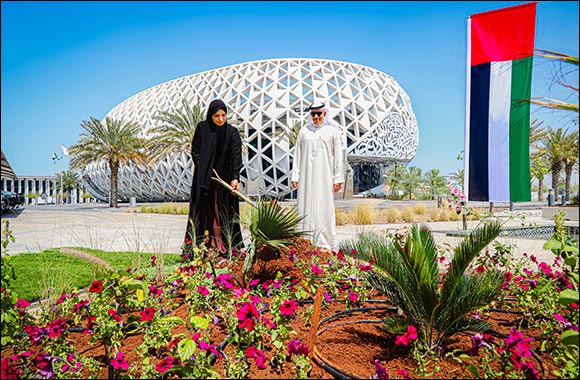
(97, 226)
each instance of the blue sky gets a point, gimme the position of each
(63, 62)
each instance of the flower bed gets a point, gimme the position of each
(200, 323)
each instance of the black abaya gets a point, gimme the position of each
(219, 148)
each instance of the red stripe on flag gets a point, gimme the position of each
(503, 34)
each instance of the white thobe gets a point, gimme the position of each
(318, 164)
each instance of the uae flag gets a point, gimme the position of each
(499, 81)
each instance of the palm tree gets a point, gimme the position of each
(115, 141)
(554, 148)
(70, 180)
(434, 181)
(175, 132)
(393, 177)
(570, 158)
(555, 103)
(408, 274)
(539, 168)
(457, 177)
(293, 133)
(411, 180)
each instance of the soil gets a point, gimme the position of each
(342, 343)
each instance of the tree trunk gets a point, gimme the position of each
(114, 183)
(556, 169)
(568, 171)
(540, 189)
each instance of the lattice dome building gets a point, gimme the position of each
(265, 100)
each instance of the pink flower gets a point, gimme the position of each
(296, 347)
(96, 286)
(166, 364)
(315, 270)
(327, 297)
(365, 268)
(114, 314)
(119, 362)
(380, 371)
(545, 268)
(153, 290)
(406, 338)
(22, 304)
(80, 305)
(90, 323)
(353, 297)
(224, 280)
(288, 307)
(201, 289)
(148, 314)
(403, 373)
(56, 328)
(257, 355)
(153, 258)
(61, 299)
(247, 316)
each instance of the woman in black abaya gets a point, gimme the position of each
(213, 209)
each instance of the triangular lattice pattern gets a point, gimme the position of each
(264, 99)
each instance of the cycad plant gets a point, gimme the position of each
(271, 226)
(407, 272)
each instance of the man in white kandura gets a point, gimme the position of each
(317, 173)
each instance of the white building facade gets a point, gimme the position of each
(265, 100)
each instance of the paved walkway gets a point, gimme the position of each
(97, 226)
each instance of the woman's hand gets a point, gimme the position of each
(235, 185)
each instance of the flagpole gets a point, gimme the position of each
(467, 117)
(54, 189)
(61, 193)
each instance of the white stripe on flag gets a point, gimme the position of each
(499, 130)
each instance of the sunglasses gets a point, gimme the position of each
(318, 113)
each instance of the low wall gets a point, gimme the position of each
(570, 213)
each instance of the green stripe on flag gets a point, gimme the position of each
(520, 187)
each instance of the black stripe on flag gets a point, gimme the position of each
(478, 133)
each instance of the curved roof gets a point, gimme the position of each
(265, 98)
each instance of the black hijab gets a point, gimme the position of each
(215, 106)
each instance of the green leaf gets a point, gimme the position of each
(185, 349)
(474, 371)
(172, 319)
(199, 322)
(571, 261)
(570, 338)
(568, 296)
(552, 244)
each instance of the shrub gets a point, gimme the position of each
(341, 217)
(408, 214)
(434, 214)
(420, 209)
(392, 215)
(363, 214)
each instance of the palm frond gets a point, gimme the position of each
(396, 324)
(420, 258)
(464, 253)
(272, 225)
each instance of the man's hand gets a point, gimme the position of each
(295, 184)
(336, 187)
